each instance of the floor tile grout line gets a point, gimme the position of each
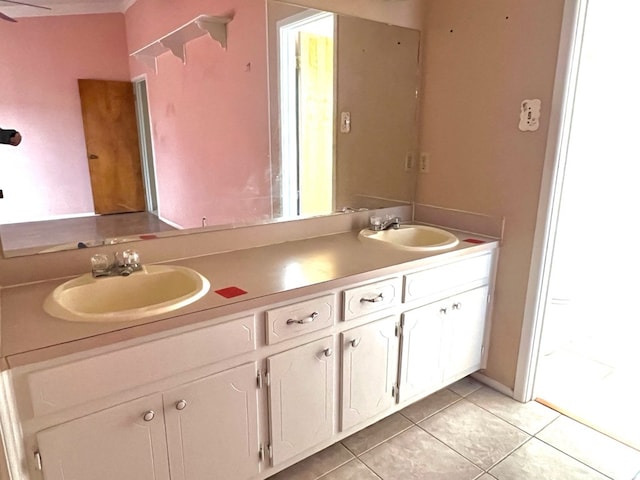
(380, 443)
(571, 456)
(338, 466)
(510, 422)
(434, 413)
(486, 470)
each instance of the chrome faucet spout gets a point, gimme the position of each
(120, 264)
(377, 224)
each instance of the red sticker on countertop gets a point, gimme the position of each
(148, 237)
(473, 240)
(230, 292)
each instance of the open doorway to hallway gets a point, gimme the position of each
(589, 358)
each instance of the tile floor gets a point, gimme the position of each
(471, 432)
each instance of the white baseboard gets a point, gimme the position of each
(490, 382)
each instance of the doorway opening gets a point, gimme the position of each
(146, 144)
(307, 92)
(588, 358)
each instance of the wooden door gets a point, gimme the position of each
(113, 151)
(301, 398)
(369, 370)
(212, 426)
(117, 443)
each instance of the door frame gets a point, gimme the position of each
(147, 156)
(288, 102)
(561, 109)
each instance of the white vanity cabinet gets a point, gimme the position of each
(207, 428)
(369, 370)
(246, 395)
(126, 442)
(442, 342)
(301, 398)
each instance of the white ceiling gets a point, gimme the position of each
(64, 7)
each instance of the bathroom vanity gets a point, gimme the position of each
(330, 335)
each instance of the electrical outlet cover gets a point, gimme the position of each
(530, 115)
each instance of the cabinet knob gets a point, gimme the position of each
(181, 404)
(148, 416)
(355, 342)
(328, 352)
(443, 310)
(376, 299)
(456, 306)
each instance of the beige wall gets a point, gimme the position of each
(407, 13)
(481, 59)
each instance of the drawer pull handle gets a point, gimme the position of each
(181, 404)
(377, 299)
(148, 416)
(355, 342)
(302, 321)
(443, 310)
(328, 352)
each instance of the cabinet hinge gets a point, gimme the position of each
(395, 391)
(397, 330)
(270, 450)
(38, 459)
(482, 352)
(261, 453)
(263, 379)
(259, 383)
(488, 298)
(267, 379)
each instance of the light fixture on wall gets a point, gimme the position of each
(9, 19)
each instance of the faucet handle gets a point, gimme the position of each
(131, 258)
(100, 264)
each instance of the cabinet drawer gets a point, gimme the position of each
(300, 318)
(371, 298)
(447, 279)
(85, 380)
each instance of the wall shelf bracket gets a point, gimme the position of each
(175, 41)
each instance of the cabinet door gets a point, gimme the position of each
(301, 398)
(421, 370)
(369, 370)
(212, 426)
(464, 337)
(126, 442)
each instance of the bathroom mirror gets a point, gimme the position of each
(226, 145)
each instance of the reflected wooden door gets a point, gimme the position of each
(111, 136)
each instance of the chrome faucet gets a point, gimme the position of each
(119, 264)
(377, 224)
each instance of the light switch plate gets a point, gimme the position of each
(345, 122)
(530, 115)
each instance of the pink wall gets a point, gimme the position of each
(209, 117)
(42, 58)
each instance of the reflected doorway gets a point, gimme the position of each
(307, 92)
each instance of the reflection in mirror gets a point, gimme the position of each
(202, 153)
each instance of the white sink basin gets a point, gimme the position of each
(419, 238)
(153, 290)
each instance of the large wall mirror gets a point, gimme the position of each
(297, 112)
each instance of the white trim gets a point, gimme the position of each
(10, 429)
(550, 192)
(490, 382)
(288, 29)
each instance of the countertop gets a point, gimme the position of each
(279, 271)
